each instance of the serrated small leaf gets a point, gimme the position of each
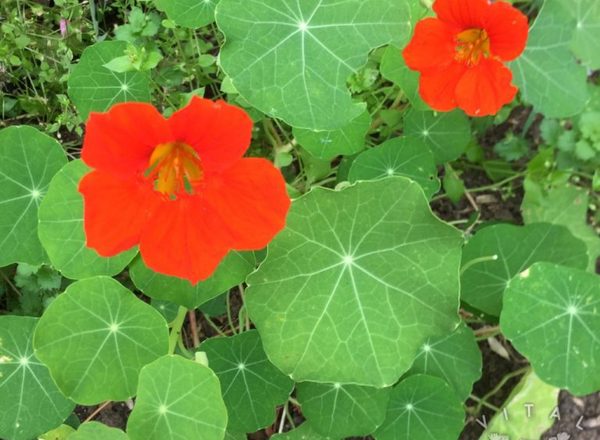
(252, 386)
(191, 14)
(230, 272)
(342, 410)
(355, 283)
(28, 160)
(422, 407)
(95, 338)
(30, 402)
(551, 315)
(497, 253)
(61, 231)
(398, 157)
(177, 398)
(97, 431)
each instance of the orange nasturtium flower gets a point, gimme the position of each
(460, 55)
(178, 187)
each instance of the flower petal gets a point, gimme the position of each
(183, 238)
(121, 140)
(464, 14)
(251, 201)
(433, 44)
(115, 210)
(485, 88)
(507, 28)
(437, 88)
(218, 131)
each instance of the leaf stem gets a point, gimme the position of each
(475, 261)
(176, 328)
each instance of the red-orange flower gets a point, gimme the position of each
(178, 187)
(460, 55)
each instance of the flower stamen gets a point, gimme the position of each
(174, 168)
(472, 45)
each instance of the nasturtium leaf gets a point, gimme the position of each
(346, 141)
(422, 407)
(395, 69)
(304, 432)
(406, 157)
(586, 38)
(167, 309)
(291, 59)
(355, 283)
(230, 272)
(61, 229)
(342, 410)
(252, 386)
(497, 253)
(97, 431)
(455, 358)
(177, 399)
(60, 433)
(551, 316)
(28, 160)
(189, 13)
(547, 73)
(95, 88)
(96, 337)
(446, 134)
(30, 402)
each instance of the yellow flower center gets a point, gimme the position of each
(472, 45)
(174, 167)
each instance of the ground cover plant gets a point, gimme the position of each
(299, 219)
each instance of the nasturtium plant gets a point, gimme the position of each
(96, 337)
(189, 13)
(97, 431)
(355, 283)
(551, 316)
(28, 160)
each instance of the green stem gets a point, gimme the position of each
(229, 319)
(176, 328)
(213, 325)
(475, 261)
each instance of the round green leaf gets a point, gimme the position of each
(498, 252)
(291, 59)
(303, 432)
(586, 38)
(189, 13)
(97, 431)
(61, 229)
(355, 283)
(547, 73)
(398, 157)
(252, 386)
(230, 272)
(30, 402)
(346, 141)
(177, 399)
(395, 69)
(28, 160)
(455, 358)
(96, 337)
(95, 88)
(446, 134)
(422, 407)
(342, 410)
(551, 316)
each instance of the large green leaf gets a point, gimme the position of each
(97, 431)
(61, 229)
(342, 410)
(95, 88)
(547, 73)
(252, 386)
(230, 272)
(355, 283)
(410, 158)
(446, 134)
(551, 316)
(30, 403)
(586, 38)
(177, 399)
(348, 140)
(424, 408)
(28, 160)
(189, 13)
(394, 68)
(96, 337)
(291, 58)
(455, 358)
(498, 252)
